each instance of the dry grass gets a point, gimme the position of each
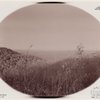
(32, 76)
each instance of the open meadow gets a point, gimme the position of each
(39, 76)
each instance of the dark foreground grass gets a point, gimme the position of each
(49, 80)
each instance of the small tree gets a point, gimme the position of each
(80, 50)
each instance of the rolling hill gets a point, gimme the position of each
(33, 75)
(10, 59)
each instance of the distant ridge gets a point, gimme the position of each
(12, 60)
(4, 50)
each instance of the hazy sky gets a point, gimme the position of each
(50, 27)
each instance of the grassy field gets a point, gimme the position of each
(34, 76)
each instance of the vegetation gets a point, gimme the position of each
(32, 75)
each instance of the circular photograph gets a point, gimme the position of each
(49, 50)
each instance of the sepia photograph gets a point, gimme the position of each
(49, 50)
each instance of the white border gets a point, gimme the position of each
(9, 6)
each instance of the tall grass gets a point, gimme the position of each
(28, 75)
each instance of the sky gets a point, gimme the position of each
(50, 27)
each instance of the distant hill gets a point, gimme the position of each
(5, 51)
(51, 56)
(55, 56)
(10, 59)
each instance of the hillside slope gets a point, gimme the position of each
(32, 75)
(12, 60)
